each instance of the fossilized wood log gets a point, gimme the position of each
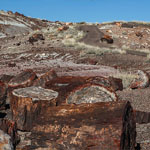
(64, 85)
(48, 76)
(3, 94)
(90, 93)
(24, 79)
(98, 126)
(5, 141)
(26, 104)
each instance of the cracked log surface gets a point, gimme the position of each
(66, 84)
(96, 126)
(26, 104)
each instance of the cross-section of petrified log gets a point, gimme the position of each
(64, 85)
(26, 104)
(23, 79)
(98, 126)
(48, 76)
(3, 94)
(91, 93)
(5, 141)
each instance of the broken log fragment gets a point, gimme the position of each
(142, 81)
(23, 79)
(48, 76)
(96, 126)
(91, 93)
(26, 104)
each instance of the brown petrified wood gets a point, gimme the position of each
(96, 126)
(26, 104)
(3, 94)
(24, 79)
(48, 76)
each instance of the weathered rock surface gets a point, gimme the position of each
(96, 126)
(5, 141)
(27, 103)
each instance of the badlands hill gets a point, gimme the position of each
(102, 62)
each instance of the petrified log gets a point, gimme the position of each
(26, 104)
(98, 126)
(90, 93)
(67, 85)
(3, 94)
(5, 141)
(23, 79)
(48, 76)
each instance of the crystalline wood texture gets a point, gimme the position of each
(96, 126)
(26, 104)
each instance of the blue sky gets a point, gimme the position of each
(81, 10)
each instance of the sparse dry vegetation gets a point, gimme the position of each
(127, 78)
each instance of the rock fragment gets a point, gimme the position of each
(63, 28)
(35, 37)
(142, 81)
(5, 141)
(107, 38)
(9, 126)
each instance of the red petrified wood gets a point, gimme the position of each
(97, 126)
